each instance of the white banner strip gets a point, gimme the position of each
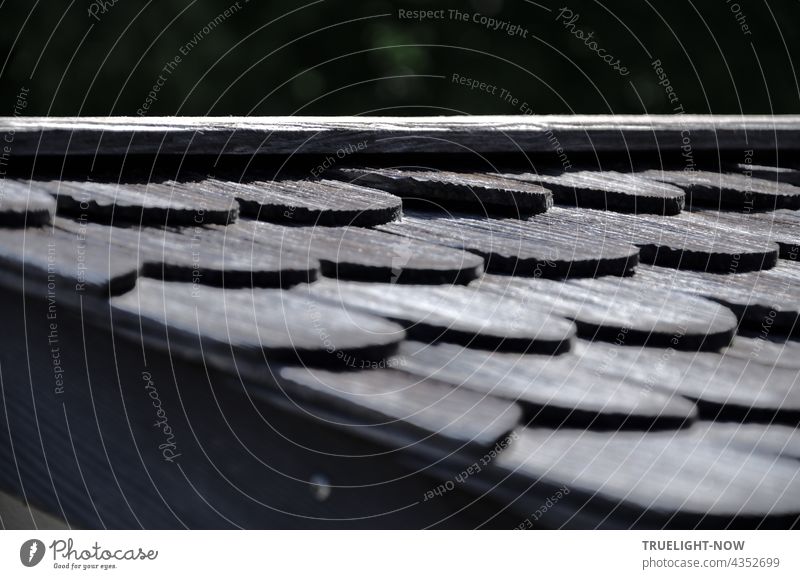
(389, 554)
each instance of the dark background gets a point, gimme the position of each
(341, 57)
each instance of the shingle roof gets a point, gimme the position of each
(430, 306)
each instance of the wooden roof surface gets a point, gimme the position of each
(627, 335)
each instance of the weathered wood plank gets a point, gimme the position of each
(453, 314)
(678, 478)
(64, 265)
(568, 391)
(310, 202)
(393, 399)
(515, 247)
(479, 193)
(768, 172)
(151, 203)
(725, 388)
(781, 227)
(756, 439)
(784, 224)
(326, 135)
(201, 255)
(256, 324)
(676, 242)
(732, 191)
(606, 310)
(760, 349)
(609, 190)
(24, 206)
(360, 254)
(763, 301)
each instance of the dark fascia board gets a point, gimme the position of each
(341, 136)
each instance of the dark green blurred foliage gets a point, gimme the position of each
(340, 57)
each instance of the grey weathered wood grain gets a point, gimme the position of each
(455, 134)
(679, 475)
(315, 202)
(480, 193)
(521, 248)
(618, 310)
(761, 348)
(730, 190)
(357, 253)
(768, 172)
(456, 314)
(678, 241)
(203, 255)
(609, 190)
(763, 301)
(24, 206)
(567, 391)
(724, 387)
(155, 202)
(394, 399)
(781, 226)
(728, 388)
(61, 265)
(756, 439)
(256, 324)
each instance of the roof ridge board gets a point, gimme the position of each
(485, 134)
